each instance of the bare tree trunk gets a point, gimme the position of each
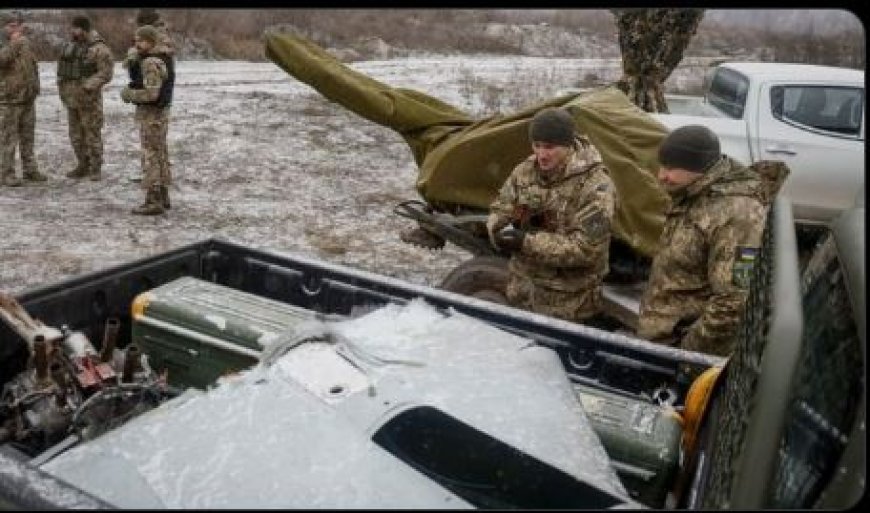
(652, 42)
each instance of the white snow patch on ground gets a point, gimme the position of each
(257, 157)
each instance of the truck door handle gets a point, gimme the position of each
(784, 151)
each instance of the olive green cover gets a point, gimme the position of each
(463, 161)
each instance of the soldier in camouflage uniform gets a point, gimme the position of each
(85, 66)
(559, 203)
(165, 45)
(19, 86)
(699, 278)
(152, 78)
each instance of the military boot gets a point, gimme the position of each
(10, 180)
(153, 203)
(80, 171)
(95, 175)
(33, 175)
(164, 196)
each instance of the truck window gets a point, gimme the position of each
(728, 92)
(832, 109)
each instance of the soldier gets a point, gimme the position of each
(19, 86)
(85, 66)
(152, 78)
(699, 277)
(164, 45)
(560, 202)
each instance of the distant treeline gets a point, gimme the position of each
(236, 33)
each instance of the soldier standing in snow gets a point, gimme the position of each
(84, 68)
(19, 86)
(165, 45)
(560, 202)
(152, 78)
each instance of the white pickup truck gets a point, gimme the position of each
(810, 117)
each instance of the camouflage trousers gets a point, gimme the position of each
(85, 134)
(571, 306)
(153, 129)
(17, 130)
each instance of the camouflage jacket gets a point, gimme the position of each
(566, 217)
(699, 278)
(154, 72)
(93, 70)
(19, 72)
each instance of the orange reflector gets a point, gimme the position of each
(140, 303)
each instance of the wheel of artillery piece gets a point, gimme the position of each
(483, 277)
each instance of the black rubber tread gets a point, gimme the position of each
(483, 277)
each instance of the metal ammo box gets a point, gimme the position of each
(199, 331)
(642, 440)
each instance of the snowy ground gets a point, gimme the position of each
(258, 158)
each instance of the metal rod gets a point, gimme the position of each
(40, 358)
(110, 337)
(131, 363)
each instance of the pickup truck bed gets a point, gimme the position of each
(591, 356)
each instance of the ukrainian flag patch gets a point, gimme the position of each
(744, 261)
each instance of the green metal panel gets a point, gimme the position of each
(199, 330)
(642, 440)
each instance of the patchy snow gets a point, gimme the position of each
(257, 157)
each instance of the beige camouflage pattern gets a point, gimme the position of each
(19, 71)
(699, 278)
(153, 124)
(19, 86)
(566, 215)
(83, 99)
(652, 42)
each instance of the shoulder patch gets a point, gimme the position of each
(596, 226)
(744, 261)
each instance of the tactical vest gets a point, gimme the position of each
(164, 99)
(73, 64)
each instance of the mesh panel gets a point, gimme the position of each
(742, 376)
(827, 385)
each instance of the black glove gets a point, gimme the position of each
(510, 239)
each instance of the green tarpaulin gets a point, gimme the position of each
(463, 161)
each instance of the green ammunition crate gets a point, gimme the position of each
(642, 440)
(199, 331)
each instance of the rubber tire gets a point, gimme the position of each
(482, 277)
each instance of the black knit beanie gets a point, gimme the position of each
(82, 22)
(147, 17)
(692, 147)
(553, 126)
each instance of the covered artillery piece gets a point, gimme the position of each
(463, 161)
